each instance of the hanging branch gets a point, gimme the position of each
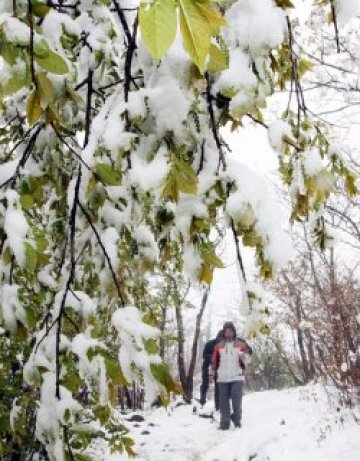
(31, 42)
(122, 18)
(213, 125)
(240, 264)
(336, 29)
(24, 158)
(107, 257)
(70, 280)
(88, 106)
(202, 157)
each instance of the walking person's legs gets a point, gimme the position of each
(236, 391)
(204, 384)
(216, 390)
(224, 402)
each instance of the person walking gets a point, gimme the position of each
(228, 362)
(206, 365)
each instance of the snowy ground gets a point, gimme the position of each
(291, 425)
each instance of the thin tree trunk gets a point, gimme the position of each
(300, 341)
(194, 349)
(181, 350)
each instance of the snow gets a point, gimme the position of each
(299, 424)
(11, 308)
(252, 203)
(168, 104)
(16, 226)
(147, 246)
(52, 414)
(192, 261)
(15, 30)
(149, 174)
(7, 169)
(255, 26)
(133, 333)
(110, 238)
(313, 162)
(346, 9)
(53, 25)
(277, 131)
(239, 74)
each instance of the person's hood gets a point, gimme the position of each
(231, 326)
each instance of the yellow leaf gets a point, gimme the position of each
(185, 177)
(218, 60)
(206, 274)
(195, 31)
(212, 15)
(33, 108)
(158, 26)
(46, 89)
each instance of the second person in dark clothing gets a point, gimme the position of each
(207, 356)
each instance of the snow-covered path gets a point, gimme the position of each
(290, 425)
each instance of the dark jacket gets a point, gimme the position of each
(208, 352)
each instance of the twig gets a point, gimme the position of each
(107, 257)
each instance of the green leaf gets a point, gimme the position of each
(53, 63)
(30, 258)
(195, 31)
(209, 256)
(162, 375)
(33, 107)
(171, 190)
(218, 60)
(108, 175)
(206, 274)
(185, 177)
(26, 202)
(40, 9)
(4, 423)
(114, 372)
(14, 84)
(8, 51)
(303, 66)
(45, 87)
(41, 49)
(30, 317)
(158, 26)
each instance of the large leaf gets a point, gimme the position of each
(15, 83)
(162, 375)
(158, 26)
(46, 88)
(30, 258)
(209, 256)
(108, 175)
(33, 107)
(53, 63)
(195, 30)
(218, 60)
(185, 177)
(41, 49)
(212, 15)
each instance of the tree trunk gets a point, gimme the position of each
(181, 351)
(194, 350)
(300, 341)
